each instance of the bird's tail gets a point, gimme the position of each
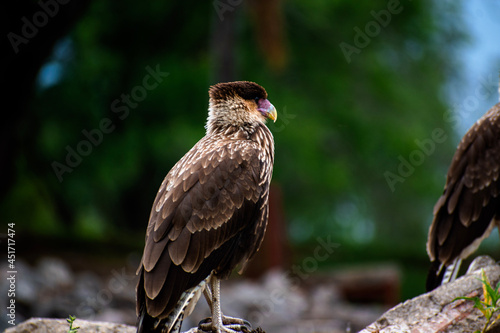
(440, 274)
(148, 324)
(145, 322)
(172, 323)
(434, 276)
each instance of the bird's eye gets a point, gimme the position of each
(256, 99)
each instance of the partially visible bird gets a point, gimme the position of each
(469, 208)
(210, 213)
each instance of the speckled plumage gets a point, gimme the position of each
(210, 213)
(465, 214)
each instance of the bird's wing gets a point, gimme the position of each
(463, 214)
(212, 194)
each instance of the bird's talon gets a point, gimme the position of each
(236, 323)
(205, 326)
(239, 328)
(231, 321)
(228, 329)
(205, 321)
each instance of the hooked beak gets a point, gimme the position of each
(268, 110)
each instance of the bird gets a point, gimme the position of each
(469, 207)
(210, 213)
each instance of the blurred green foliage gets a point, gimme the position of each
(342, 125)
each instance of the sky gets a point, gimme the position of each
(479, 61)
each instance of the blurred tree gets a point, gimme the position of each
(123, 96)
(29, 39)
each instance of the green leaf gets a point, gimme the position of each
(487, 291)
(477, 304)
(498, 286)
(72, 329)
(465, 298)
(491, 296)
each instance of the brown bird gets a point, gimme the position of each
(469, 208)
(210, 213)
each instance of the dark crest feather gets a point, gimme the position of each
(244, 89)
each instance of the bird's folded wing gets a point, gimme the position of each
(210, 195)
(470, 199)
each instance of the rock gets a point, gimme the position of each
(436, 311)
(116, 315)
(55, 273)
(279, 301)
(87, 285)
(370, 284)
(480, 262)
(270, 302)
(27, 283)
(45, 325)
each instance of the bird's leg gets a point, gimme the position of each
(208, 296)
(451, 271)
(226, 320)
(220, 323)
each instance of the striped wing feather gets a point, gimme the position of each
(211, 204)
(470, 199)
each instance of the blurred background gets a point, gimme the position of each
(101, 98)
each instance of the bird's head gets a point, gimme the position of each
(239, 104)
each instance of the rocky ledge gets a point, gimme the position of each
(47, 325)
(432, 312)
(437, 311)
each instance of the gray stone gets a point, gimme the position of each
(55, 272)
(436, 311)
(45, 325)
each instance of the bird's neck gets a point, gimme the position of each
(242, 131)
(257, 132)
